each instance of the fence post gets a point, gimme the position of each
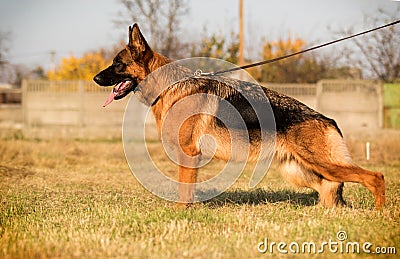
(24, 103)
(318, 95)
(81, 92)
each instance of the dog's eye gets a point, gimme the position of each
(120, 66)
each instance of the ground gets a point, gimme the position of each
(78, 198)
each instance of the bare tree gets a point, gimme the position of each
(6, 69)
(4, 39)
(160, 18)
(378, 53)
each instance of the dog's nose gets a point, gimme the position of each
(97, 78)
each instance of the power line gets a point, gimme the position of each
(302, 51)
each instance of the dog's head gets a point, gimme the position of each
(129, 67)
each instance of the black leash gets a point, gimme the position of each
(296, 53)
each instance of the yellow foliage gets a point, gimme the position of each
(297, 69)
(84, 68)
(282, 47)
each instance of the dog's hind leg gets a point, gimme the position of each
(330, 193)
(322, 150)
(338, 167)
(373, 181)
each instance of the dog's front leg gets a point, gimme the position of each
(188, 162)
(187, 180)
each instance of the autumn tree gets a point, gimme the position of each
(217, 46)
(160, 19)
(75, 68)
(304, 68)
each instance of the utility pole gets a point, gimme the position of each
(52, 61)
(241, 35)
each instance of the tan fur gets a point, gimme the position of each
(311, 152)
(321, 152)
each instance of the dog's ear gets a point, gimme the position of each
(137, 44)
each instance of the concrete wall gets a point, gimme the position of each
(10, 107)
(11, 115)
(354, 104)
(74, 108)
(306, 93)
(70, 109)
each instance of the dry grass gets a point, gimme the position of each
(65, 199)
(384, 146)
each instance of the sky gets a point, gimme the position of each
(38, 27)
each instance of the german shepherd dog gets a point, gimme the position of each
(309, 146)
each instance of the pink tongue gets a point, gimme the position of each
(110, 98)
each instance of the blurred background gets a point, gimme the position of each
(50, 51)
